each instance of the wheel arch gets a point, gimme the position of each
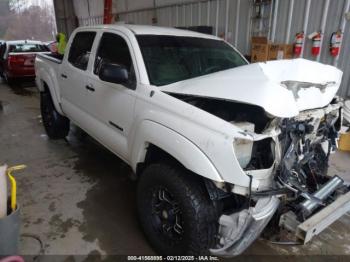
(154, 142)
(45, 87)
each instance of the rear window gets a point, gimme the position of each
(79, 52)
(23, 48)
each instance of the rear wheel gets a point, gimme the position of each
(56, 125)
(8, 80)
(176, 214)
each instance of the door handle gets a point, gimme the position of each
(64, 76)
(90, 88)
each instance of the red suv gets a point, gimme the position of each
(17, 59)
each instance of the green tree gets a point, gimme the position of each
(33, 22)
(16, 5)
(5, 16)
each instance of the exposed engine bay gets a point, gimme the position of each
(294, 154)
(306, 143)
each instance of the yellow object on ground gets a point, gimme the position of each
(14, 185)
(61, 43)
(344, 142)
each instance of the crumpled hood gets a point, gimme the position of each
(268, 85)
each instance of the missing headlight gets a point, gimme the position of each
(263, 154)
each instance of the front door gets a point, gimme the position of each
(112, 105)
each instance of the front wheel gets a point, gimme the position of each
(176, 214)
(56, 125)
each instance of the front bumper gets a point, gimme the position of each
(238, 230)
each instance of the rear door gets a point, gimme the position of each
(73, 75)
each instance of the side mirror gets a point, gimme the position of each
(113, 73)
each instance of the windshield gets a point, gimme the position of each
(23, 48)
(170, 59)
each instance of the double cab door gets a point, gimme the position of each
(103, 109)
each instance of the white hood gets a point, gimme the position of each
(261, 84)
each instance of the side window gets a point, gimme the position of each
(80, 49)
(113, 49)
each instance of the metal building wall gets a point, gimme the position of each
(231, 19)
(65, 16)
(73, 13)
(227, 17)
(333, 18)
(89, 12)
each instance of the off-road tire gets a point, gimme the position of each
(56, 125)
(199, 215)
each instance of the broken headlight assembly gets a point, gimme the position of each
(243, 151)
(260, 150)
(243, 147)
(253, 155)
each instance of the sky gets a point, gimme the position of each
(39, 2)
(28, 3)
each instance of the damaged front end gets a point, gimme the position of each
(286, 121)
(290, 160)
(315, 199)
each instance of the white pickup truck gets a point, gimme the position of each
(223, 149)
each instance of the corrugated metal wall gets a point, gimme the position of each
(333, 20)
(65, 16)
(89, 12)
(232, 20)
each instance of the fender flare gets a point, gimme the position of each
(44, 79)
(178, 146)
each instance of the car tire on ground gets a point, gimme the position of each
(175, 211)
(56, 125)
(8, 80)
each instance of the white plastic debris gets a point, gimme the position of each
(3, 191)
